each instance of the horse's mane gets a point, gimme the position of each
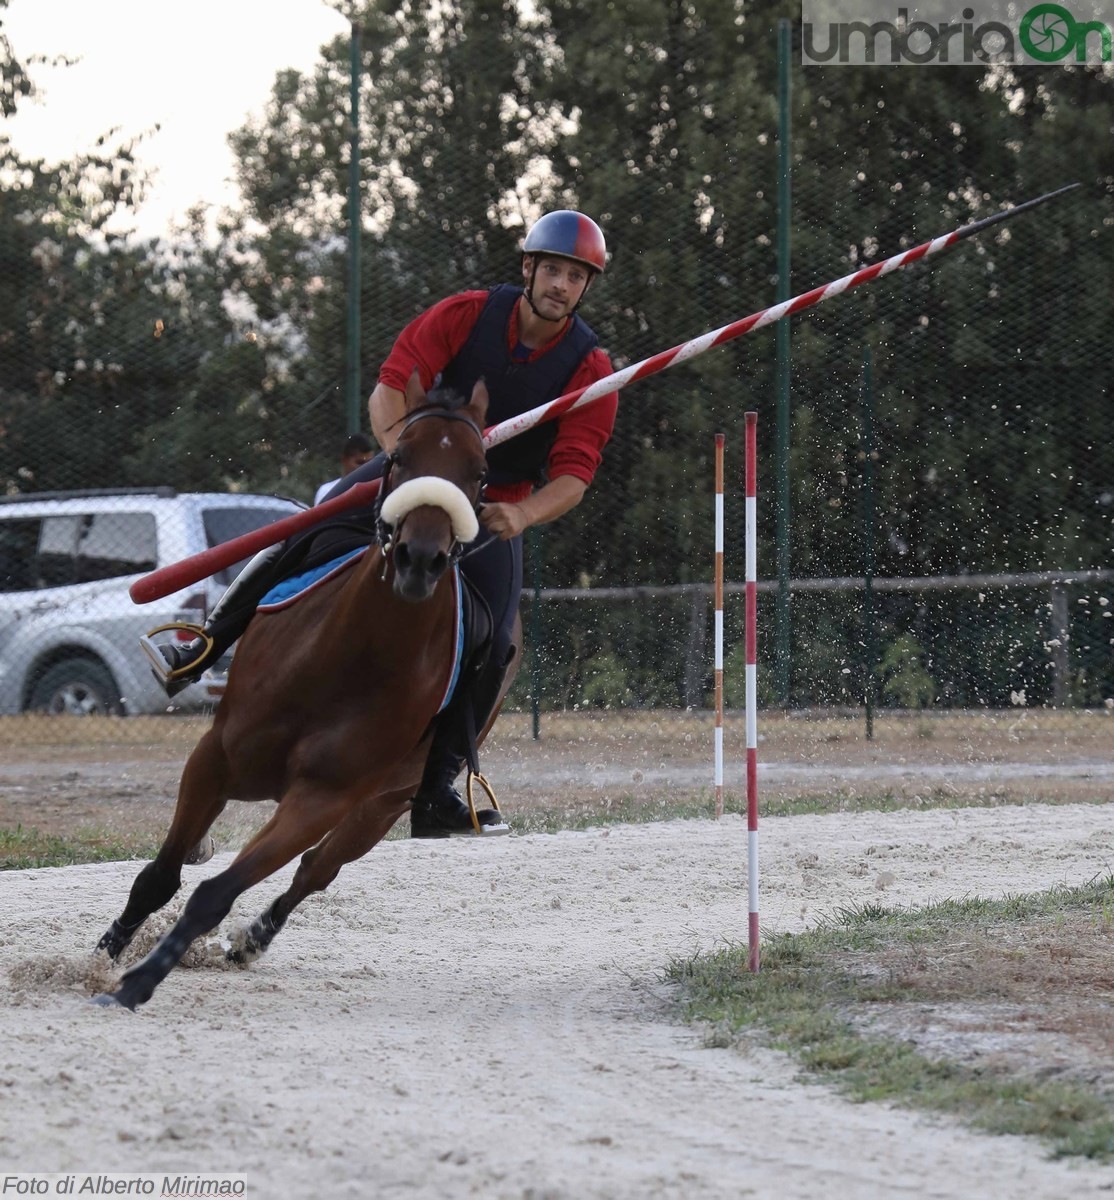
(443, 398)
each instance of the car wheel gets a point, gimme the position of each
(76, 687)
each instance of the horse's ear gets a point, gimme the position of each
(477, 406)
(415, 393)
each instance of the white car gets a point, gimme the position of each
(69, 631)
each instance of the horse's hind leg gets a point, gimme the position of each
(201, 799)
(364, 827)
(299, 822)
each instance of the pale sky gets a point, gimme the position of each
(195, 69)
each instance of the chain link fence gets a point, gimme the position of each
(214, 362)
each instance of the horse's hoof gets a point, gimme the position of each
(202, 852)
(132, 992)
(112, 945)
(244, 949)
(109, 1000)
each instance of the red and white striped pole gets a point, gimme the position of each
(751, 599)
(181, 574)
(719, 626)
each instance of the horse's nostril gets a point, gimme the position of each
(402, 555)
(438, 563)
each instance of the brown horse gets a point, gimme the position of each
(329, 706)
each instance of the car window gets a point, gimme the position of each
(19, 544)
(110, 544)
(45, 552)
(224, 524)
(54, 562)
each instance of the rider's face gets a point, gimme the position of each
(559, 284)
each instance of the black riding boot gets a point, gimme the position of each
(183, 663)
(438, 810)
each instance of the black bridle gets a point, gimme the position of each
(383, 532)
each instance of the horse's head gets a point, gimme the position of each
(432, 487)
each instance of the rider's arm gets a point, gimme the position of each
(427, 345)
(573, 458)
(582, 433)
(549, 502)
(385, 407)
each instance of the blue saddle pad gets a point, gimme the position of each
(291, 590)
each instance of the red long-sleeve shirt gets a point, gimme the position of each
(433, 339)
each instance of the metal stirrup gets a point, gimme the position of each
(475, 775)
(160, 664)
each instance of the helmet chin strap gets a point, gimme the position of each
(529, 292)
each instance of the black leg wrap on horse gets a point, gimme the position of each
(118, 937)
(206, 908)
(253, 941)
(438, 810)
(154, 886)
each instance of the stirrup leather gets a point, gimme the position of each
(161, 666)
(502, 827)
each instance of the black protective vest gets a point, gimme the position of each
(516, 387)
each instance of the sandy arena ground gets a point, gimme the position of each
(489, 1019)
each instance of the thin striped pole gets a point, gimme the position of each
(752, 682)
(719, 625)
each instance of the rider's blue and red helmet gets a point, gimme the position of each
(568, 234)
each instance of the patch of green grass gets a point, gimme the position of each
(813, 985)
(887, 801)
(21, 849)
(629, 809)
(626, 810)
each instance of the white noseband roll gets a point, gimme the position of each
(431, 489)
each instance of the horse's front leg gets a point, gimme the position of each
(364, 827)
(201, 800)
(301, 820)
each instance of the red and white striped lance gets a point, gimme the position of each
(496, 434)
(181, 574)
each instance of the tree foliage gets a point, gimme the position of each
(219, 362)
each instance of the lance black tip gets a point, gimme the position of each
(1015, 210)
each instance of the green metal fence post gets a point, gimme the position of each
(1061, 646)
(533, 538)
(352, 391)
(869, 632)
(784, 209)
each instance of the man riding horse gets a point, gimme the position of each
(529, 345)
